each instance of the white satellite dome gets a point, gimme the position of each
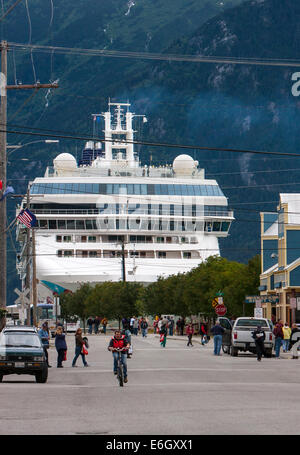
(65, 161)
(184, 165)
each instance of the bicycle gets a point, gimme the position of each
(120, 367)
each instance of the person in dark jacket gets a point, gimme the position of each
(144, 327)
(278, 332)
(90, 323)
(217, 331)
(44, 334)
(79, 342)
(61, 346)
(259, 337)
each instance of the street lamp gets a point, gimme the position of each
(17, 147)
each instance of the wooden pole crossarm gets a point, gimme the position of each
(31, 86)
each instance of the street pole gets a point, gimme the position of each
(34, 289)
(123, 262)
(3, 246)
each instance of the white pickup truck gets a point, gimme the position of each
(241, 335)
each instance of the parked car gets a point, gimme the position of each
(21, 352)
(241, 335)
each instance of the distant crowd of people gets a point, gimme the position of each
(94, 324)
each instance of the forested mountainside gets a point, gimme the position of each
(212, 105)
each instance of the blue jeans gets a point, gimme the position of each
(144, 332)
(77, 354)
(123, 361)
(278, 343)
(171, 331)
(217, 344)
(90, 330)
(285, 345)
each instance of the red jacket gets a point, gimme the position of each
(118, 343)
(189, 330)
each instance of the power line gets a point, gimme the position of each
(157, 56)
(152, 144)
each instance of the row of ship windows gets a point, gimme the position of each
(121, 238)
(148, 209)
(126, 188)
(127, 254)
(154, 225)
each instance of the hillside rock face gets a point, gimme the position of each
(214, 105)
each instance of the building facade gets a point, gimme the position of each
(280, 260)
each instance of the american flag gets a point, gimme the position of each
(26, 217)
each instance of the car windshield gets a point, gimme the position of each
(20, 340)
(251, 323)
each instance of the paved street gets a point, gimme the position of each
(176, 390)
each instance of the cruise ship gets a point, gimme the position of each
(107, 217)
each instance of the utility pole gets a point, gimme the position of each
(28, 251)
(3, 113)
(3, 161)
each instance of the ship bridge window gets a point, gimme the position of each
(160, 240)
(225, 226)
(216, 226)
(187, 255)
(58, 238)
(92, 238)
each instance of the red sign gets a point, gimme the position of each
(221, 310)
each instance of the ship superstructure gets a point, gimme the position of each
(167, 219)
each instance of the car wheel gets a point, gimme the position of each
(234, 351)
(42, 376)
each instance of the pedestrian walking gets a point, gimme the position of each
(155, 322)
(178, 324)
(171, 326)
(90, 322)
(190, 333)
(104, 323)
(259, 338)
(217, 331)
(182, 324)
(163, 335)
(127, 334)
(80, 343)
(286, 337)
(278, 338)
(60, 345)
(144, 327)
(44, 334)
(131, 324)
(136, 326)
(97, 321)
(203, 333)
(295, 340)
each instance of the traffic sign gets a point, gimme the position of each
(221, 310)
(215, 302)
(23, 299)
